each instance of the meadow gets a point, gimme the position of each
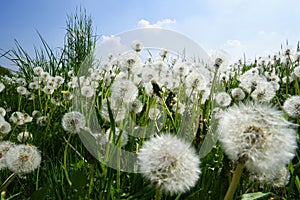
(147, 127)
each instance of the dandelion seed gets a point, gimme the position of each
(170, 163)
(292, 106)
(73, 122)
(23, 159)
(259, 135)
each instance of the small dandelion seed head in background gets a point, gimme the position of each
(292, 106)
(73, 122)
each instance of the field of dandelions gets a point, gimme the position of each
(229, 131)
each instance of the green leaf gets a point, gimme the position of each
(256, 195)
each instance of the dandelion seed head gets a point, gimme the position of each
(292, 106)
(238, 94)
(137, 45)
(223, 99)
(264, 92)
(23, 159)
(87, 91)
(124, 90)
(258, 134)
(21, 90)
(4, 147)
(170, 163)
(38, 71)
(73, 121)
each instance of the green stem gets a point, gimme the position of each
(158, 194)
(7, 182)
(65, 160)
(37, 178)
(235, 181)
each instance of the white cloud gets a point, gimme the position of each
(165, 23)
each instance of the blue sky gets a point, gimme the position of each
(253, 27)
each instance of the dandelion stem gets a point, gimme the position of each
(158, 194)
(8, 181)
(235, 181)
(65, 160)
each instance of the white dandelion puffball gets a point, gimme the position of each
(223, 99)
(259, 135)
(238, 94)
(23, 159)
(170, 163)
(5, 127)
(292, 106)
(124, 90)
(73, 122)
(4, 147)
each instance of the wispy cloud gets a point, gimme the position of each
(165, 23)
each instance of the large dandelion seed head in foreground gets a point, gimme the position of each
(23, 158)
(73, 122)
(259, 135)
(170, 163)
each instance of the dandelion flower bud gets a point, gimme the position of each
(170, 163)
(23, 159)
